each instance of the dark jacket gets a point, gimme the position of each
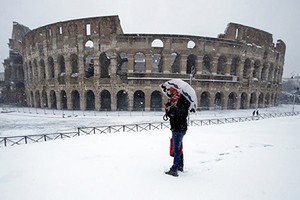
(178, 114)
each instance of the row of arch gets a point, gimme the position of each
(123, 102)
(257, 70)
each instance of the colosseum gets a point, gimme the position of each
(90, 64)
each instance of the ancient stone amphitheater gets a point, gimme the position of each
(90, 64)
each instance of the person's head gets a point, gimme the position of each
(171, 91)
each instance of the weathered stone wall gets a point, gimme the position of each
(91, 64)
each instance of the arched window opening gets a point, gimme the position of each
(234, 66)
(90, 100)
(50, 67)
(156, 63)
(264, 72)
(244, 101)
(221, 65)
(253, 100)
(105, 101)
(191, 64)
(256, 70)
(53, 100)
(139, 101)
(122, 66)
(122, 100)
(231, 104)
(156, 101)
(175, 63)
(206, 65)
(44, 99)
(157, 43)
(140, 61)
(191, 44)
(204, 101)
(261, 100)
(75, 97)
(74, 65)
(61, 66)
(89, 66)
(267, 101)
(35, 69)
(104, 65)
(63, 100)
(271, 73)
(37, 99)
(218, 101)
(89, 45)
(43, 71)
(247, 68)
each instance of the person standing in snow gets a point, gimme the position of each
(177, 111)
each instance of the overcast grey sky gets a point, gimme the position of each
(189, 17)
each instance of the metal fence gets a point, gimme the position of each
(27, 139)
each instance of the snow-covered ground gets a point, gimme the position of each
(254, 160)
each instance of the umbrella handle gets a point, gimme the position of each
(165, 117)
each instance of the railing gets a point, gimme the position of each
(18, 140)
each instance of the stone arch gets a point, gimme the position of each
(256, 70)
(207, 64)
(204, 101)
(156, 63)
(89, 66)
(75, 97)
(122, 100)
(105, 98)
(271, 73)
(50, 67)
(37, 99)
(42, 69)
(234, 66)
(218, 102)
(221, 65)
(90, 100)
(63, 100)
(191, 64)
(89, 45)
(156, 101)
(232, 99)
(122, 66)
(140, 62)
(30, 70)
(191, 45)
(61, 65)
(244, 100)
(44, 99)
(104, 65)
(74, 65)
(157, 43)
(253, 100)
(267, 100)
(35, 69)
(264, 71)
(53, 102)
(261, 100)
(247, 68)
(31, 99)
(174, 63)
(139, 101)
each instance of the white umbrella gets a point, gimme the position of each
(184, 88)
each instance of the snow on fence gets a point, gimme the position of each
(18, 140)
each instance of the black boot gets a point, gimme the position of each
(172, 172)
